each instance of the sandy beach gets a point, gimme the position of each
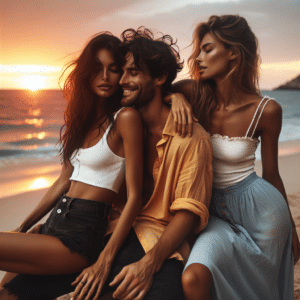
(14, 208)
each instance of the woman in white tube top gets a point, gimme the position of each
(250, 244)
(97, 138)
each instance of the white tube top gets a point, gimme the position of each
(234, 157)
(98, 165)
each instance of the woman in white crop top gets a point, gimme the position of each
(250, 244)
(97, 138)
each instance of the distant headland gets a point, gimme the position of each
(293, 84)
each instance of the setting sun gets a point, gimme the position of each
(34, 82)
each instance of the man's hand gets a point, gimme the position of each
(135, 280)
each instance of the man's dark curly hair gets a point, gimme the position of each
(160, 56)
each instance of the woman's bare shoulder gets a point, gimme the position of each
(128, 116)
(271, 117)
(272, 108)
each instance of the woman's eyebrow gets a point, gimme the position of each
(205, 45)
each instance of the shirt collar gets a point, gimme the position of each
(169, 128)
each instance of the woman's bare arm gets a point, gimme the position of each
(181, 109)
(184, 87)
(270, 127)
(129, 127)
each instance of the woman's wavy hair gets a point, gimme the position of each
(159, 55)
(232, 31)
(82, 103)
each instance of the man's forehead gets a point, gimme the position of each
(129, 60)
(130, 64)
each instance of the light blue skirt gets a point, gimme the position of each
(247, 244)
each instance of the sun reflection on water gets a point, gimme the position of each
(39, 183)
(35, 122)
(40, 135)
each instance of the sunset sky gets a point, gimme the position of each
(39, 36)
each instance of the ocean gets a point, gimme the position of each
(30, 122)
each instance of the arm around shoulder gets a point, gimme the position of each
(184, 87)
(181, 108)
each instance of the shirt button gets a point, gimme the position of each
(64, 200)
(223, 213)
(59, 211)
(223, 204)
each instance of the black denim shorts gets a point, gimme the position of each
(80, 224)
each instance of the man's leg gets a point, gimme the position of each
(167, 282)
(130, 252)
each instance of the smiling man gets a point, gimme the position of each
(177, 177)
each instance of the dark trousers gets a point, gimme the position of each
(166, 283)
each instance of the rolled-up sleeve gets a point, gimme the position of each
(194, 185)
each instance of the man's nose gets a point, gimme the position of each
(123, 79)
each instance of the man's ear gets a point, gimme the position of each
(161, 79)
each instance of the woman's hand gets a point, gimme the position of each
(21, 228)
(35, 229)
(182, 113)
(296, 245)
(18, 229)
(91, 280)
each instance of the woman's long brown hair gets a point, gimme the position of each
(232, 31)
(82, 103)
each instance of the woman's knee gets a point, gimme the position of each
(196, 277)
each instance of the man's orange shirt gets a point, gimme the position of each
(182, 176)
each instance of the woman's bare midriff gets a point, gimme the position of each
(85, 191)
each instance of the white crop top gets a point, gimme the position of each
(98, 165)
(234, 157)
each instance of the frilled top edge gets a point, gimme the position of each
(237, 138)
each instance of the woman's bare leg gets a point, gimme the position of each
(196, 282)
(37, 254)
